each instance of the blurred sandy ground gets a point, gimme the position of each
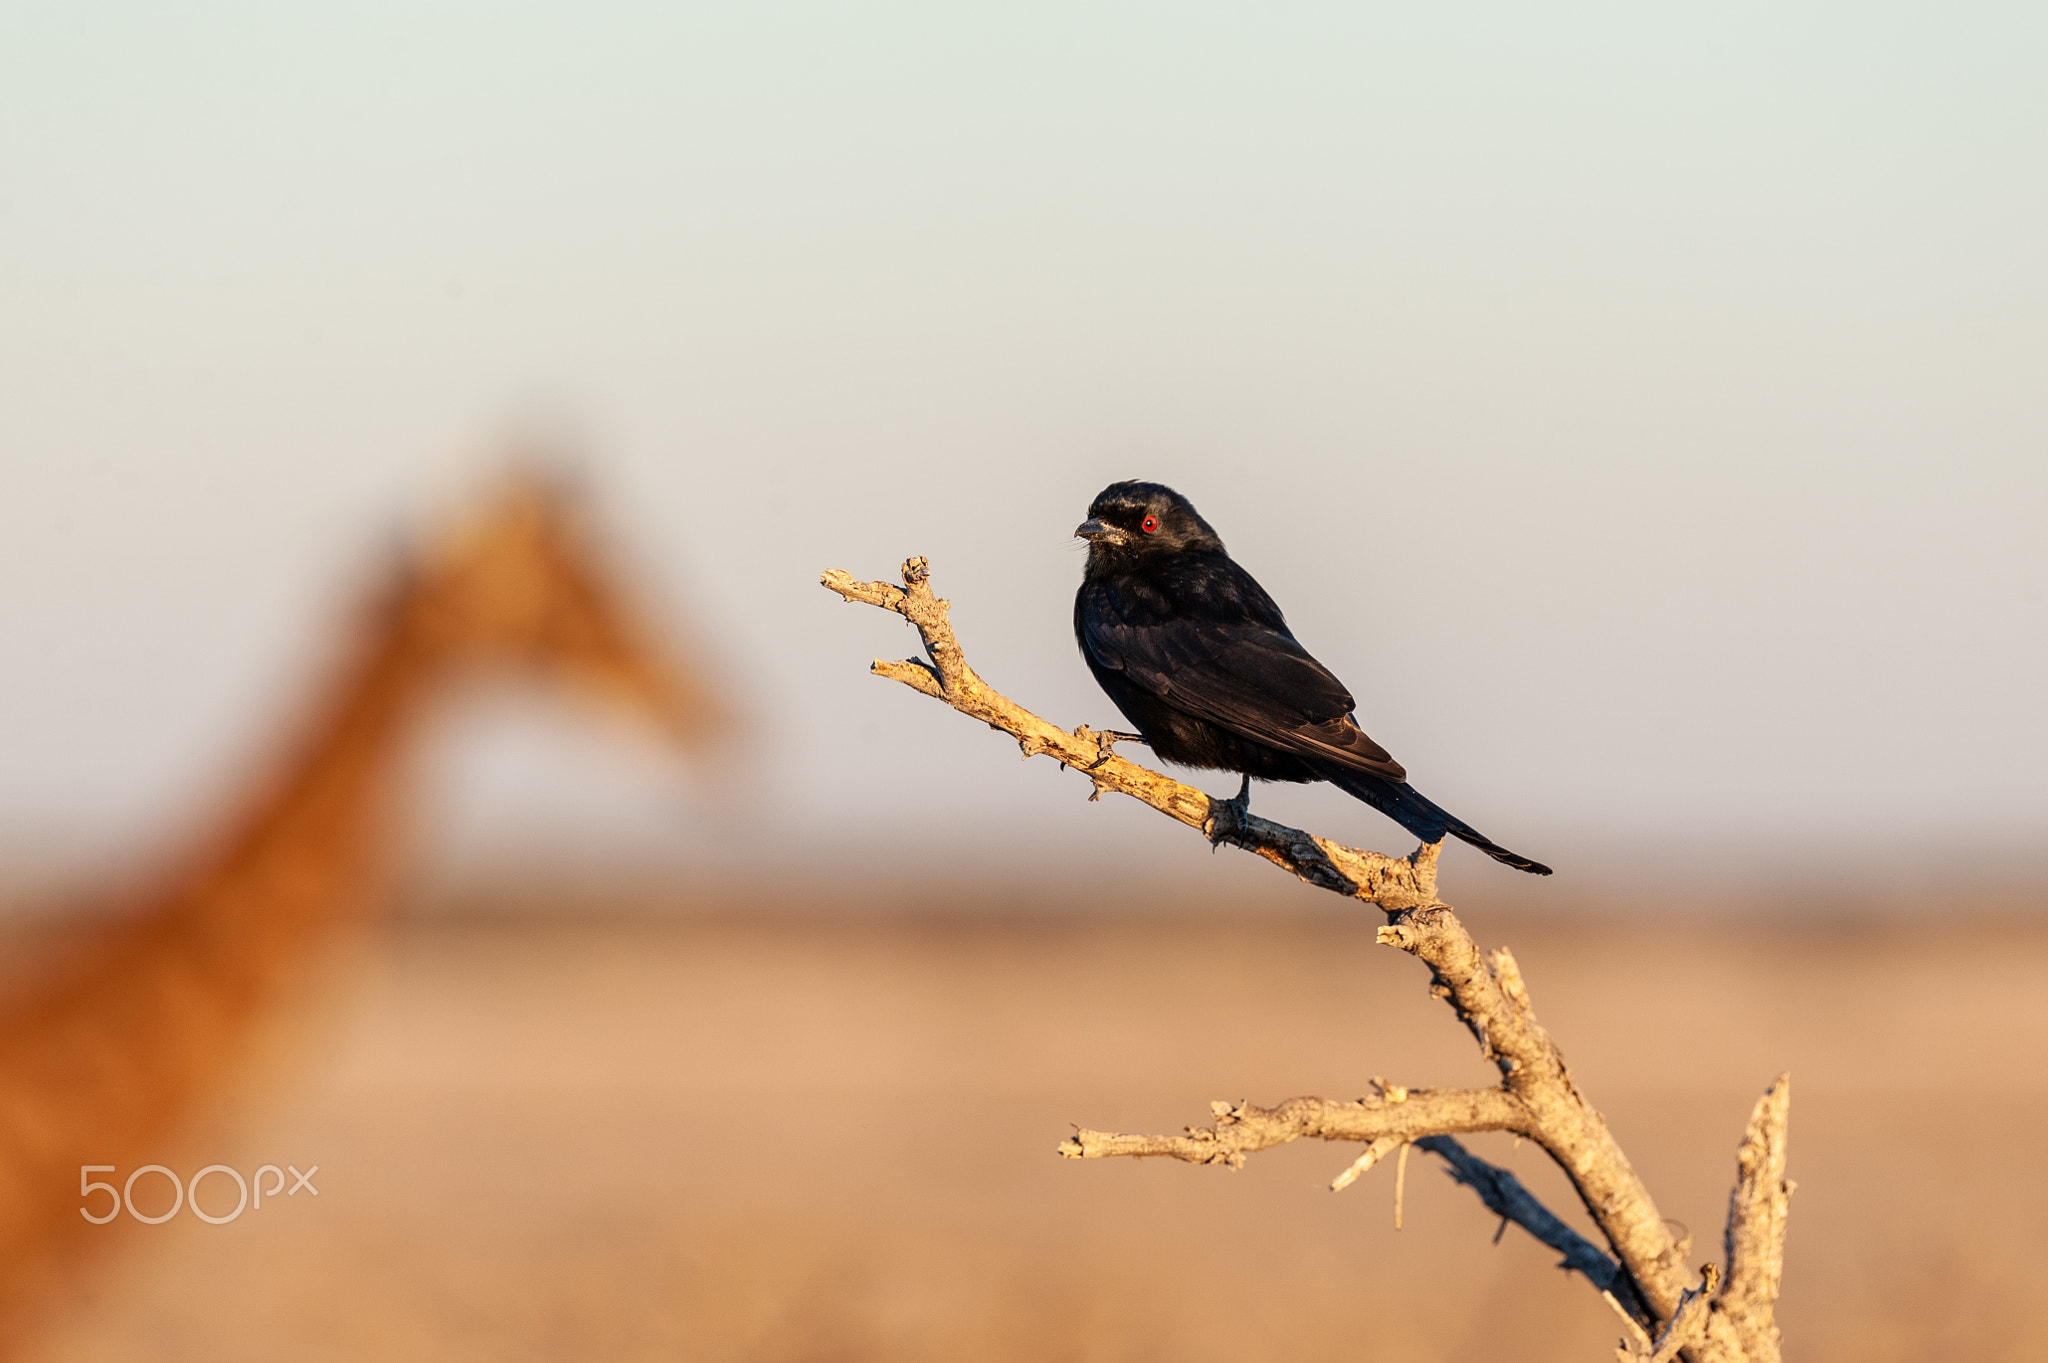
(759, 1135)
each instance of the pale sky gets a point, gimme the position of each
(1643, 408)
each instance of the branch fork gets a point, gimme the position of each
(1722, 1317)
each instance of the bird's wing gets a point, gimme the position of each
(1247, 677)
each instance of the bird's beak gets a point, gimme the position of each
(1099, 532)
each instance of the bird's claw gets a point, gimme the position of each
(1105, 742)
(1239, 807)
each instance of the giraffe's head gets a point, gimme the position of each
(520, 584)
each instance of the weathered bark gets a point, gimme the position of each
(1646, 1277)
(1395, 1115)
(1755, 1239)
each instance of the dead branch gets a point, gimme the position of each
(1646, 1276)
(1243, 1129)
(1755, 1240)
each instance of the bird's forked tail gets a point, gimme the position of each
(1420, 815)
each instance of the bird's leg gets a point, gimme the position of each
(1106, 741)
(1240, 807)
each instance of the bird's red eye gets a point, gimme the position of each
(1151, 524)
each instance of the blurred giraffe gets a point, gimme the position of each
(104, 1058)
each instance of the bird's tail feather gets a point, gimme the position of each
(1420, 815)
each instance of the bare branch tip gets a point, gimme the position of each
(1372, 1155)
(1400, 1181)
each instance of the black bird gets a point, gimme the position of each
(1198, 657)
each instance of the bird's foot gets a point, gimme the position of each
(1235, 813)
(1105, 742)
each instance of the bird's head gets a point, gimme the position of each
(1131, 523)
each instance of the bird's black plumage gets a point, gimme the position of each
(1200, 659)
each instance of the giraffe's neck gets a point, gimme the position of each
(309, 834)
(99, 1061)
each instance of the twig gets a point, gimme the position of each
(1636, 1335)
(1401, 1180)
(1536, 1096)
(1684, 1330)
(1243, 1129)
(1374, 1153)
